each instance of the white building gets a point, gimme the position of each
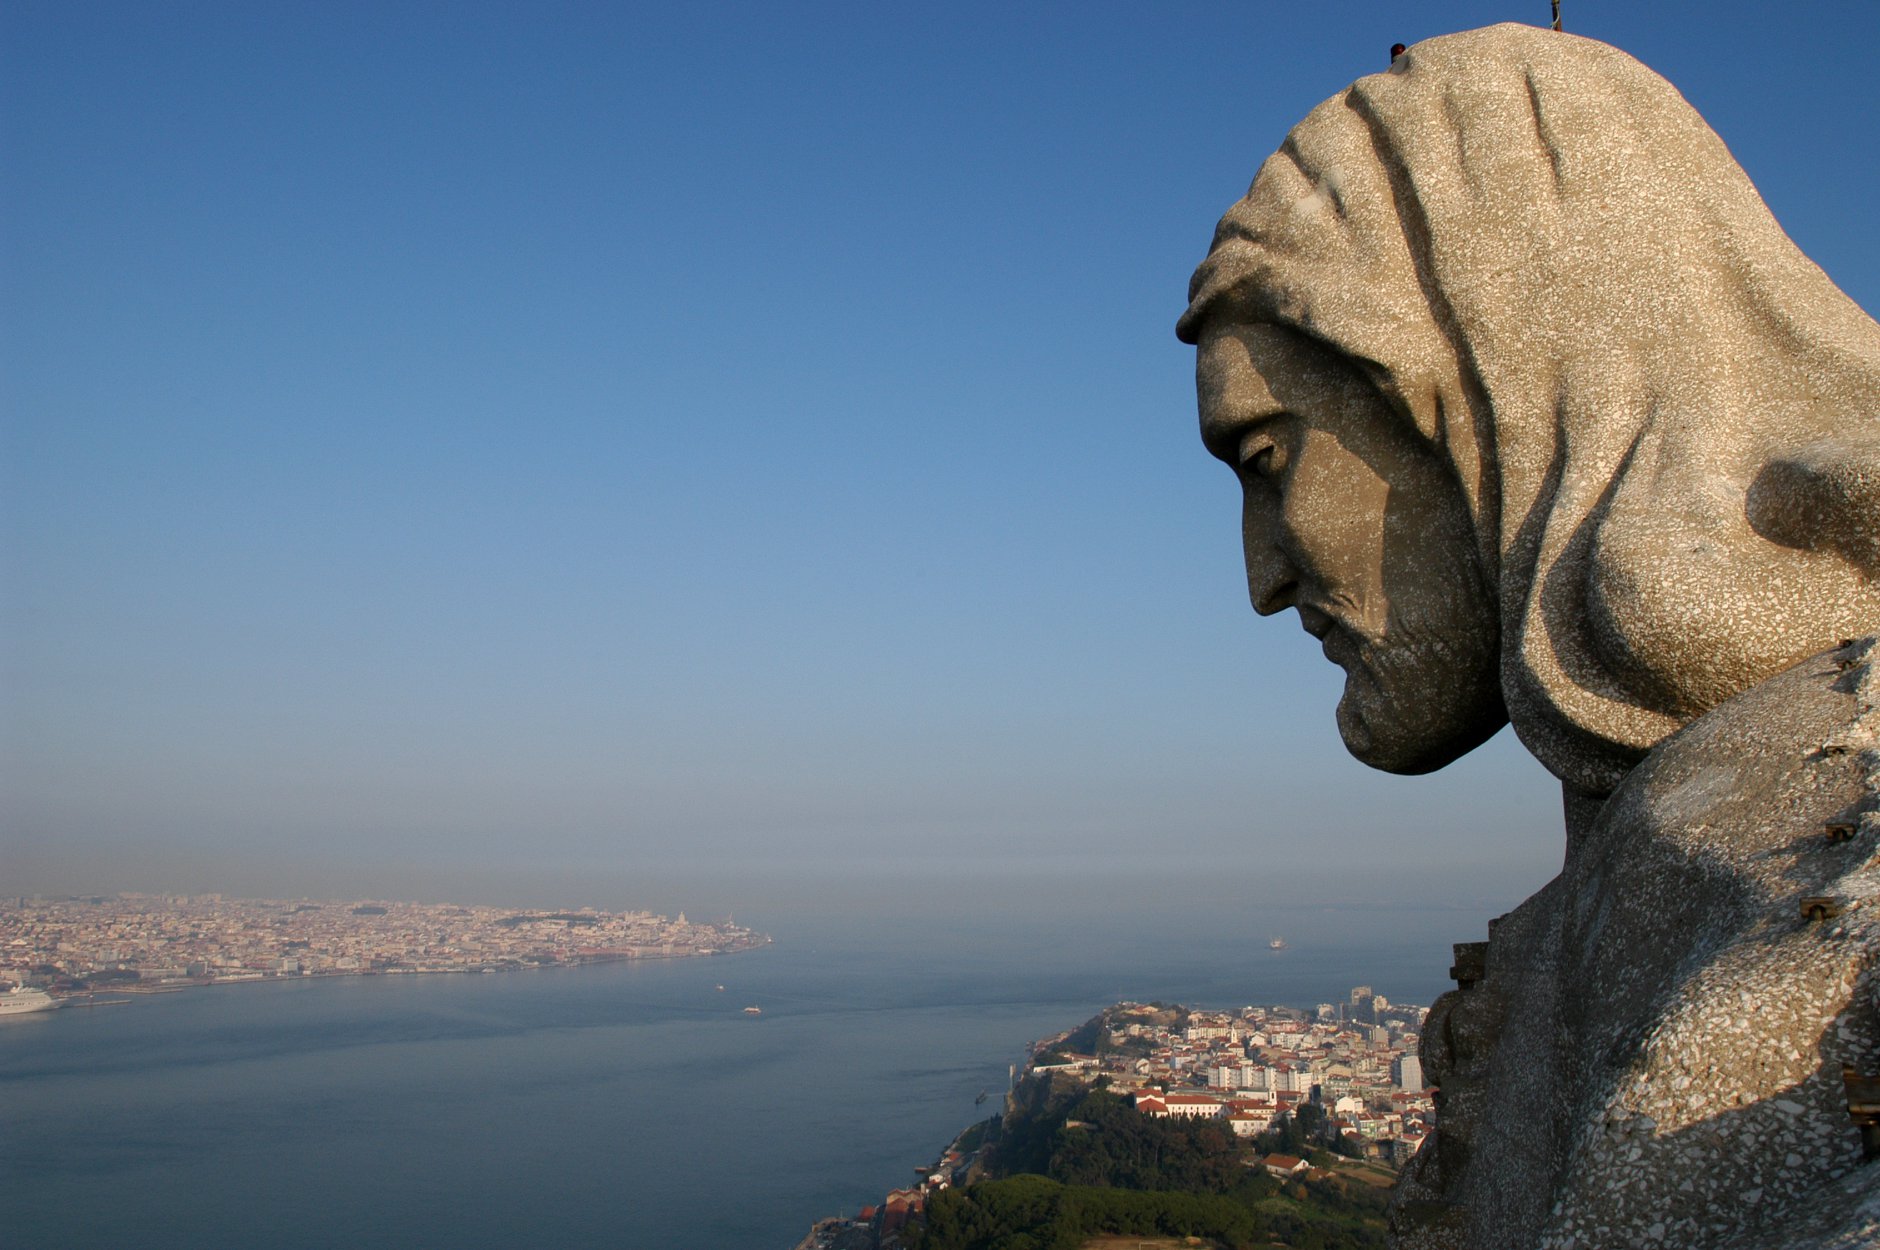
(1194, 1106)
(1237, 1076)
(1248, 1123)
(1291, 1079)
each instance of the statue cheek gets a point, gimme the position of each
(1335, 515)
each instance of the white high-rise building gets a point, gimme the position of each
(1291, 1079)
(1407, 1071)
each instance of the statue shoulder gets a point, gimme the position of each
(1720, 932)
(1748, 776)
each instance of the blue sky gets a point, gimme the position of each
(448, 444)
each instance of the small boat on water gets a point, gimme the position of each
(721, 989)
(753, 1011)
(983, 1095)
(1277, 944)
(21, 999)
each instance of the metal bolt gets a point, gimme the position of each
(1818, 908)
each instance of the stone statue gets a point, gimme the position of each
(1540, 418)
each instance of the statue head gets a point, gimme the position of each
(1354, 522)
(1538, 415)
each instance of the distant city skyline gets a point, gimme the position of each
(156, 941)
(690, 457)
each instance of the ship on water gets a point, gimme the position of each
(1277, 944)
(21, 999)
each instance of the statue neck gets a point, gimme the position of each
(1582, 808)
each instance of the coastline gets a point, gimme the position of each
(865, 1063)
(145, 944)
(1176, 1064)
(68, 997)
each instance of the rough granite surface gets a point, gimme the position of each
(1655, 1054)
(1541, 419)
(1662, 418)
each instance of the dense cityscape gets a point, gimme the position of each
(1301, 1093)
(1355, 1059)
(130, 940)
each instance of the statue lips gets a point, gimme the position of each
(1323, 626)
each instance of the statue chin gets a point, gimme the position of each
(1390, 745)
(1400, 714)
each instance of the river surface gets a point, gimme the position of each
(630, 1105)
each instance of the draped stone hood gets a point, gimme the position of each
(1665, 419)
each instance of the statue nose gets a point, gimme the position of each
(1272, 575)
(1272, 585)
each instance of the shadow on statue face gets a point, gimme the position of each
(1350, 519)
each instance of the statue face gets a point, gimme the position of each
(1353, 521)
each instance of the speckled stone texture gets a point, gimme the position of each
(1655, 1055)
(1508, 321)
(1663, 418)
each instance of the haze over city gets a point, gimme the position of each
(706, 456)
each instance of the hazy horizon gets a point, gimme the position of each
(713, 458)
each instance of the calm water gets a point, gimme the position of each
(621, 1105)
